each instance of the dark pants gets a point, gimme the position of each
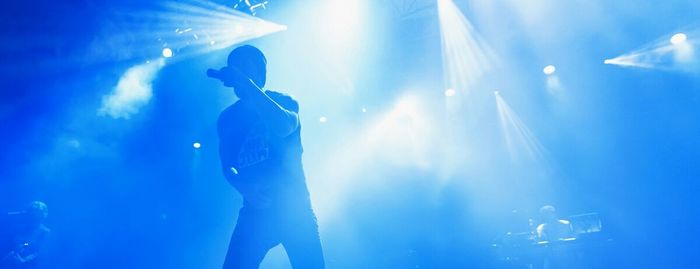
(259, 230)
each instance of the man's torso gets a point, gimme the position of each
(257, 156)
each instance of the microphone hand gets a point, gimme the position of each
(213, 73)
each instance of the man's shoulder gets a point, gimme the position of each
(228, 113)
(284, 100)
(228, 110)
(541, 227)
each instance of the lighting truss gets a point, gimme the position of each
(250, 6)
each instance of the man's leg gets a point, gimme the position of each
(302, 243)
(252, 238)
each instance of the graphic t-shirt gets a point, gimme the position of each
(255, 155)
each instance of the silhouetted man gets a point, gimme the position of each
(260, 150)
(22, 236)
(555, 230)
(552, 228)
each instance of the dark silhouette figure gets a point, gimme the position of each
(260, 150)
(22, 236)
(556, 231)
(552, 228)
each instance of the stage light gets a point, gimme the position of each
(250, 7)
(202, 26)
(196, 145)
(465, 56)
(676, 53)
(450, 92)
(364, 110)
(495, 93)
(322, 119)
(679, 38)
(239, 29)
(550, 69)
(167, 53)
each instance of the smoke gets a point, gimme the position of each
(133, 91)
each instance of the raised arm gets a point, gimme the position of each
(282, 121)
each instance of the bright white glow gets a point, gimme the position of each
(196, 145)
(341, 16)
(548, 70)
(496, 93)
(364, 110)
(322, 119)
(167, 53)
(466, 58)
(401, 137)
(339, 27)
(132, 91)
(679, 38)
(239, 29)
(450, 92)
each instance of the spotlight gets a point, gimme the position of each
(364, 109)
(239, 29)
(167, 53)
(495, 93)
(678, 38)
(550, 69)
(250, 7)
(196, 145)
(323, 120)
(450, 92)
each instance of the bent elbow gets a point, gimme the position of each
(289, 126)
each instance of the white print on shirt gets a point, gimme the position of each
(255, 148)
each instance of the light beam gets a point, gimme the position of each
(466, 58)
(675, 53)
(518, 137)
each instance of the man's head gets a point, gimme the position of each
(251, 62)
(37, 211)
(548, 213)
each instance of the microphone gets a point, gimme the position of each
(234, 74)
(13, 213)
(215, 73)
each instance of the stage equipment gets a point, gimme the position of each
(250, 7)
